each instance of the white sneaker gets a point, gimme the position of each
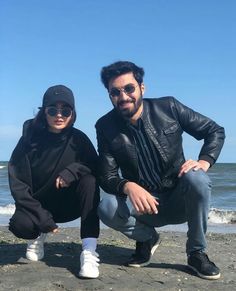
(89, 264)
(35, 248)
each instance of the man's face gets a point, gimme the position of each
(126, 96)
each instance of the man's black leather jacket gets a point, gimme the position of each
(165, 119)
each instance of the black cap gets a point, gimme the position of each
(58, 93)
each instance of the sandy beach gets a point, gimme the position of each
(59, 268)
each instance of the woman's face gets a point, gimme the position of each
(58, 116)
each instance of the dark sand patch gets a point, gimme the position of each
(59, 268)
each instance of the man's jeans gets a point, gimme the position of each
(188, 201)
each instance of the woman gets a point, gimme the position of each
(52, 179)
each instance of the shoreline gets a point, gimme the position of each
(59, 268)
(220, 228)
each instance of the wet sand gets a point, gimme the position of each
(59, 268)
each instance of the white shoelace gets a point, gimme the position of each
(90, 257)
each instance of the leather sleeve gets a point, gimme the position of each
(109, 178)
(201, 128)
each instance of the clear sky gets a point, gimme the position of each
(187, 48)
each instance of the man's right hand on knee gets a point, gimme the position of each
(142, 200)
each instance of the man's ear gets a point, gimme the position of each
(142, 88)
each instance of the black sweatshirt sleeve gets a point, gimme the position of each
(86, 162)
(19, 173)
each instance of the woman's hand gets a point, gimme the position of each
(55, 230)
(60, 183)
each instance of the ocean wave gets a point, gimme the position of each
(220, 216)
(7, 210)
(216, 216)
(2, 167)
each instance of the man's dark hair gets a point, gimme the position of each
(119, 68)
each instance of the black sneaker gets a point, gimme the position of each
(144, 252)
(199, 262)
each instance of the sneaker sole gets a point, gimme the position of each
(81, 276)
(213, 277)
(34, 259)
(147, 262)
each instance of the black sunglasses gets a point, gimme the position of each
(127, 89)
(53, 111)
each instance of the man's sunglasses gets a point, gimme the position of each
(53, 111)
(127, 89)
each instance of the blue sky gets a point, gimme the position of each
(187, 48)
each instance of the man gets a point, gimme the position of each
(142, 164)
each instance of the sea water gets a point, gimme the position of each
(223, 201)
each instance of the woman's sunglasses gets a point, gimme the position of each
(127, 89)
(54, 111)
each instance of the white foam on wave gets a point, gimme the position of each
(7, 210)
(2, 167)
(216, 216)
(222, 216)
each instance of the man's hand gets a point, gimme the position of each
(60, 183)
(193, 165)
(142, 200)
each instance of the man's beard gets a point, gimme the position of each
(128, 113)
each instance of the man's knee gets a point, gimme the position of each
(199, 183)
(107, 208)
(22, 226)
(113, 211)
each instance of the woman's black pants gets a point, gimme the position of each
(66, 204)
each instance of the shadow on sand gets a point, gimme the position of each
(66, 255)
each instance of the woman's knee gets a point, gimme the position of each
(88, 191)
(22, 226)
(87, 181)
(88, 186)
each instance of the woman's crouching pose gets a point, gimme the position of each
(52, 177)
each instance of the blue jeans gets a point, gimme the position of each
(187, 202)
